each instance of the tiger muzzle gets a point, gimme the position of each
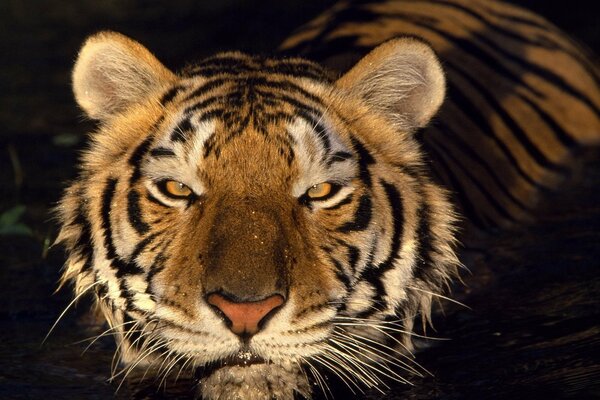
(246, 272)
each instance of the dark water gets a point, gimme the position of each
(533, 327)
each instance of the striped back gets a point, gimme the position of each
(523, 98)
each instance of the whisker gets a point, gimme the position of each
(318, 378)
(359, 338)
(62, 314)
(360, 347)
(106, 333)
(339, 373)
(374, 362)
(441, 296)
(366, 377)
(168, 371)
(383, 328)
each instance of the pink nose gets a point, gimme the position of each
(245, 317)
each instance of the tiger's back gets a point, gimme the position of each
(523, 99)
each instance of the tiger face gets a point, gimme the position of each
(255, 220)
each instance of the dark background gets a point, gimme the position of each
(533, 329)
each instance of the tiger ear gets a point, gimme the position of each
(402, 79)
(112, 72)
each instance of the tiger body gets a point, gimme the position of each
(255, 218)
(523, 98)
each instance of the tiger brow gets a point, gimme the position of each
(162, 152)
(339, 156)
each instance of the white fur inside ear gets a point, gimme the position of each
(401, 79)
(112, 72)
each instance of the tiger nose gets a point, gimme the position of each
(245, 318)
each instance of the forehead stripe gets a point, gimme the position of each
(339, 156)
(255, 83)
(171, 94)
(318, 129)
(162, 152)
(236, 64)
(182, 131)
(364, 160)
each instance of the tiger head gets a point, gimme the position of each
(254, 219)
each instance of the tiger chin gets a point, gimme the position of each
(258, 220)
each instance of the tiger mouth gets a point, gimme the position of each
(241, 359)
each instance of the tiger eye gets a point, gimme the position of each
(319, 191)
(177, 189)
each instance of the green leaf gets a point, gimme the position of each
(66, 139)
(19, 229)
(12, 216)
(9, 222)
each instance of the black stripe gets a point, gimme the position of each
(141, 246)
(136, 158)
(122, 268)
(202, 105)
(338, 156)
(170, 94)
(519, 19)
(320, 47)
(424, 266)
(107, 197)
(254, 82)
(560, 133)
(182, 131)
(297, 104)
(546, 74)
(364, 160)
(340, 273)
(472, 112)
(157, 266)
(468, 46)
(101, 289)
(353, 257)
(297, 68)
(470, 208)
(346, 200)
(154, 200)
(466, 205)
(209, 115)
(83, 244)
(374, 274)
(162, 152)
(468, 149)
(500, 209)
(533, 39)
(207, 87)
(134, 213)
(471, 47)
(288, 87)
(127, 295)
(362, 216)
(531, 148)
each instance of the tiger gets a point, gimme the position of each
(260, 221)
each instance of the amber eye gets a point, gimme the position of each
(175, 189)
(319, 191)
